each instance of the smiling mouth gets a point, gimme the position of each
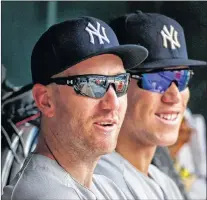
(105, 124)
(168, 117)
(106, 128)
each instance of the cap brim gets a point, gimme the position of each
(131, 55)
(172, 62)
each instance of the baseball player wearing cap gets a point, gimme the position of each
(80, 85)
(157, 99)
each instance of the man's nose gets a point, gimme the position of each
(110, 100)
(172, 95)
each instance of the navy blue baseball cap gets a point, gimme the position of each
(70, 42)
(162, 36)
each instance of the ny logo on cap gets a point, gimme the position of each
(93, 31)
(171, 36)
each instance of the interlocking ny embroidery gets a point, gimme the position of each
(93, 31)
(171, 36)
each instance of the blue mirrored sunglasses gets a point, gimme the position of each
(160, 81)
(94, 85)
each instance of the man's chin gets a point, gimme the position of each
(107, 149)
(166, 143)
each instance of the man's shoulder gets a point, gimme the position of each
(166, 183)
(111, 166)
(162, 178)
(37, 186)
(39, 192)
(108, 162)
(107, 187)
(158, 174)
(37, 182)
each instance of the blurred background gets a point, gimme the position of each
(23, 22)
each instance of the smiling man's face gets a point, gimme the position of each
(154, 118)
(87, 125)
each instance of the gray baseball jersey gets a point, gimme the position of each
(133, 183)
(44, 179)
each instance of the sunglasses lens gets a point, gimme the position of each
(96, 86)
(184, 80)
(160, 81)
(121, 84)
(90, 86)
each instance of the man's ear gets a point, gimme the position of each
(43, 100)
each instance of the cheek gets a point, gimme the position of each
(135, 111)
(61, 98)
(71, 108)
(122, 104)
(142, 109)
(185, 96)
(76, 116)
(144, 103)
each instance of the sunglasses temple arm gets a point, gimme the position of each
(62, 81)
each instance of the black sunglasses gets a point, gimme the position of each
(95, 85)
